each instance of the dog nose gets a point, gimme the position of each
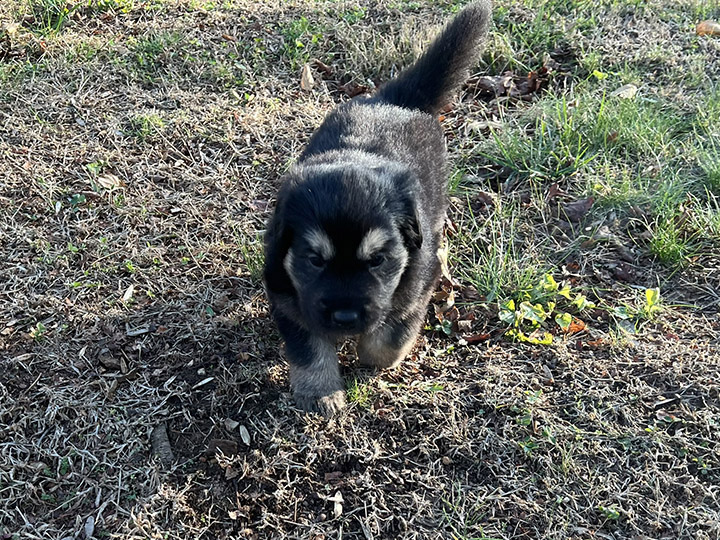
(345, 318)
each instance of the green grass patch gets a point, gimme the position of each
(145, 126)
(300, 39)
(48, 17)
(360, 393)
(497, 255)
(253, 256)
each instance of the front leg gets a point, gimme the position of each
(314, 370)
(389, 345)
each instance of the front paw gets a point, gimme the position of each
(328, 405)
(378, 355)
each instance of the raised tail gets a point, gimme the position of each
(428, 84)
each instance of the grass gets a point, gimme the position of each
(492, 254)
(140, 149)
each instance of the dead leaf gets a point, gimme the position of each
(464, 326)
(575, 211)
(576, 326)
(452, 314)
(477, 338)
(471, 293)
(337, 504)
(231, 424)
(442, 255)
(89, 527)
(322, 67)
(511, 84)
(547, 374)
(627, 91)
(109, 362)
(128, 294)
(353, 89)
(306, 79)
(622, 272)
(333, 477)
(228, 37)
(708, 28)
(553, 192)
(441, 295)
(226, 446)
(666, 416)
(10, 28)
(245, 435)
(447, 304)
(108, 181)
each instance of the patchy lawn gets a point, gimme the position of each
(567, 384)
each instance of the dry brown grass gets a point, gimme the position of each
(142, 150)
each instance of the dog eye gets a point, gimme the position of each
(376, 261)
(317, 261)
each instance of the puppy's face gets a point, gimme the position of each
(349, 236)
(345, 282)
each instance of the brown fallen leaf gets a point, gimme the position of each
(547, 374)
(323, 68)
(532, 84)
(306, 79)
(576, 326)
(471, 293)
(708, 28)
(476, 338)
(226, 446)
(622, 272)
(511, 84)
(353, 89)
(626, 254)
(231, 473)
(553, 192)
(442, 255)
(575, 211)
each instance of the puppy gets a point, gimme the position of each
(351, 249)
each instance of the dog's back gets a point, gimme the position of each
(412, 135)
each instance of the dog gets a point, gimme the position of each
(351, 248)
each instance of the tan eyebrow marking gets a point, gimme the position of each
(373, 240)
(321, 243)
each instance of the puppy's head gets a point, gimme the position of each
(339, 242)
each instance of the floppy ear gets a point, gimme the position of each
(409, 224)
(278, 239)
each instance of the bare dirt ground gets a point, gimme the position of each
(140, 148)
